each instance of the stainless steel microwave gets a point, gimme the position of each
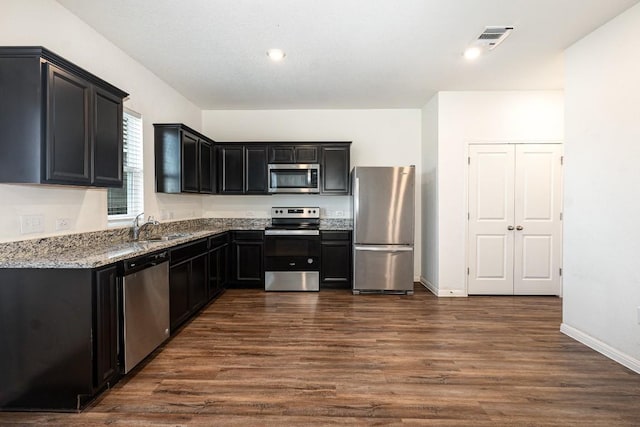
(294, 178)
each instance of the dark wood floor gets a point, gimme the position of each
(255, 358)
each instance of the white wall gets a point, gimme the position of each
(602, 190)
(473, 117)
(379, 138)
(46, 23)
(429, 179)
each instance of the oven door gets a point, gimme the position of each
(292, 250)
(292, 260)
(294, 178)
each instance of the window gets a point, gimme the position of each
(127, 202)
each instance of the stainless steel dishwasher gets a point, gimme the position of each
(145, 307)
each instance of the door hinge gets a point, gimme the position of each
(468, 215)
(562, 160)
(467, 271)
(560, 216)
(468, 160)
(561, 271)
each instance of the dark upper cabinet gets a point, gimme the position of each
(184, 160)
(298, 153)
(334, 168)
(207, 167)
(242, 169)
(107, 139)
(255, 169)
(190, 165)
(231, 169)
(68, 130)
(68, 121)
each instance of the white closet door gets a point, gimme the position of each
(515, 230)
(538, 234)
(491, 214)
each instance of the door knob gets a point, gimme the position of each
(510, 227)
(519, 227)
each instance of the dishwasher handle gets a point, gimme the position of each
(145, 261)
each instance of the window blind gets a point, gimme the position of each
(128, 201)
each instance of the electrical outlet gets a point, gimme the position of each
(31, 224)
(63, 224)
(251, 214)
(339, 214)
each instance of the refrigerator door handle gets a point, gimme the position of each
(384, 248)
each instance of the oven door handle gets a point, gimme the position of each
(292, 232)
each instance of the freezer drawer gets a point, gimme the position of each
(384, 268)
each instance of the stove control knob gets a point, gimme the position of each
(310, 261)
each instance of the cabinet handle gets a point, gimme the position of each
(519, 228)
(510, 228)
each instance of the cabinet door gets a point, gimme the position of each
(218, 269)
(190, 164)
(281, 154)
(107, 139)
(248, 262)
(256, 170)
(206, 167)
(105, 363)
(179, 293)
(198, 281)
(306, 154)
(231, 169)
(335, 169)
(68, 150)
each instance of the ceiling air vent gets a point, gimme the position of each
(491, 37)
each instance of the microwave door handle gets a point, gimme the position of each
(308, 177)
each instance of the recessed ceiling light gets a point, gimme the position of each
(276, 54)
(472, 53)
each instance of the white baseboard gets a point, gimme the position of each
(602, 348)
(441, 293)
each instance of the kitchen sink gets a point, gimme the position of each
(166, 237)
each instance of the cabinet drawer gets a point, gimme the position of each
(248, 235)
(217, 241)
(187, 251)
(335, 235)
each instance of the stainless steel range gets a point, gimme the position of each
(292, 249)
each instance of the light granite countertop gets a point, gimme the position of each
(97, 249)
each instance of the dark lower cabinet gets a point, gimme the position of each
(58, 332)
(106, 325)
(247, 257)
(336, 252)
(188, 280)
(179, 294)
(218, 264)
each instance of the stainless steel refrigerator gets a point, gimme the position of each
(383, 229)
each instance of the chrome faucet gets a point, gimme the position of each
(137, 228)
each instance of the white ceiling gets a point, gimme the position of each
(342, 53)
